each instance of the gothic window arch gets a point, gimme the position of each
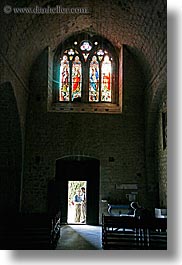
(86, 74)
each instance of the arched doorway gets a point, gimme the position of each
(78, 168)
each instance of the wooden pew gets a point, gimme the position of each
(155, 234)
(55, 230)
(127, 232)
(120, 232)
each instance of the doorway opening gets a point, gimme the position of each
(77, 207)
(77, 168)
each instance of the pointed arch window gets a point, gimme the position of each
(86, 72)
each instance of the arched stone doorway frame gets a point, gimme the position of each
(77, 167)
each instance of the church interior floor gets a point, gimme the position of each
(80, 237)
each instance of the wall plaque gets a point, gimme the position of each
(126, 186)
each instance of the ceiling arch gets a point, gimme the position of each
(140, 25)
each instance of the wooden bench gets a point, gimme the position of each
(55, 230)
(155, 234)
(120, 232)
(127, 232)
(118, 209)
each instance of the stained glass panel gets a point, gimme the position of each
(86, 72)
(100, 54)
(85, 55)
(106, 79)
(86, 46)
(94, 80)
(71, 52)
(64, 79)
(76, 79)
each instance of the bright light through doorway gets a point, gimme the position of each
(76, 210)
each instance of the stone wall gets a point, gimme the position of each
(128, 145)
(117, 140)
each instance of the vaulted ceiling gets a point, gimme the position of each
(138, 24)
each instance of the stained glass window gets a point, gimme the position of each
(64, 79)
(94, 80)
(70, 76)
(76, 78)
(106, 79)
(87, 71)
(85, 46)
(100, 54)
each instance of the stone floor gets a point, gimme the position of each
(80, 237)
